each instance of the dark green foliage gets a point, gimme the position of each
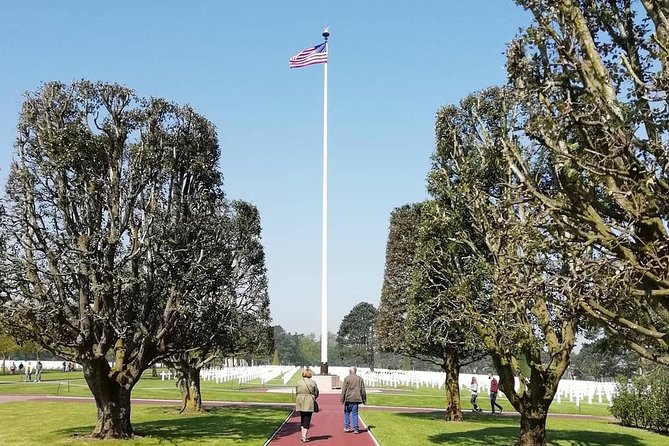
(488, 264)
(604, 360)
(119, 239)
(643, 401)
(356, 336)
(391, 322)
(296, 348)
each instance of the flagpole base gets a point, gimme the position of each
(324, 368)
(327, 383)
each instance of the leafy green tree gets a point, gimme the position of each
(406, 363)
(492, 264)
(309, 349)
(8, 345)
(107, 197)
(604, 359)
(411, 317)
(397, 278)
(275, 358)
(356, 335)
(593, 79)
(232, 318)
(434, 327)
(287, 344)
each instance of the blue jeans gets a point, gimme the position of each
(351, 411)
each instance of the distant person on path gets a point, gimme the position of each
(494, 388)
(29, 373)
(352, 394)
(13, 368)
(305, 401)
(474, 387)
(38, 371)
(20, 368)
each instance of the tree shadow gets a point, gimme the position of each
(319, 437)
(217, 422)
(491, 432)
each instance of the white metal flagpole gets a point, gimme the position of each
(324, 250)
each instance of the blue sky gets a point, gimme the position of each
(392, 65)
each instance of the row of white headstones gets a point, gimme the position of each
(574, 391)
(242, 374)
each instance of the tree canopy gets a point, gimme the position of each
(592, 78)
(114, 222)
(357, 335)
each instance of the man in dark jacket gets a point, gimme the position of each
(352, 394)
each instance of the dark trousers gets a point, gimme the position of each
(473, 401)
(493, 403)
(305, 419)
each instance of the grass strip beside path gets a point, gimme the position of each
(409, 429)
(59, 423)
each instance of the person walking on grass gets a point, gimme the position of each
(38, 371)
(305, 401)
(29, 373)
(494, 388)
(474, 388)
(352, 394)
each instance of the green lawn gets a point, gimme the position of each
(73, 384)
(57, 423)
(435, 398)
(402, 429)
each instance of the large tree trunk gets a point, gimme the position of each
(534, 397)
(111, 398)
(532, 428)
(451, 366)
(188, 382)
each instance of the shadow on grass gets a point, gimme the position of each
(246, 424)
(505, 430)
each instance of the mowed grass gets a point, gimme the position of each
(403, 429)
(57, 423)
(61, 423)
(73, 384)
(434, 398)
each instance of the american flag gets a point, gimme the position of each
(310, 56)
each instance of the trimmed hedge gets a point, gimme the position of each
(643, 402)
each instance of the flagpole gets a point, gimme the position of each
(324, 241)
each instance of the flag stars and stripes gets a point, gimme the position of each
(311, 56)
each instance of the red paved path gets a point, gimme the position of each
(327, 427)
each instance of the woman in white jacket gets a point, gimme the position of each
(474, 387)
